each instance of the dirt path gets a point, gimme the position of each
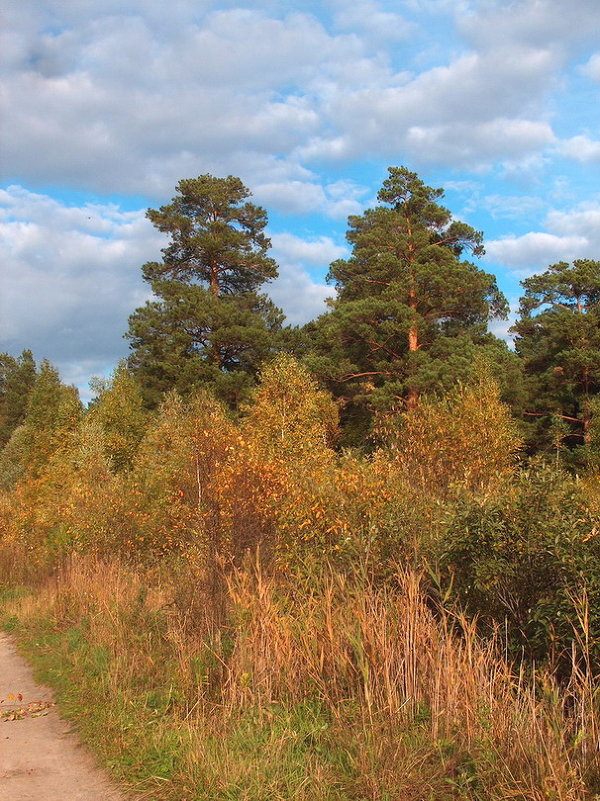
(39, 758)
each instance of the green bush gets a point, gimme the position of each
(528, 559)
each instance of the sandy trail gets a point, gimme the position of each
(39, 758)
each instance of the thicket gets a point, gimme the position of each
(418, 622)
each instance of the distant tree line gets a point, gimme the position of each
(410, 319)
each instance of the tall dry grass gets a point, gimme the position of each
(358, 691)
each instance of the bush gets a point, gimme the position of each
(528, 558)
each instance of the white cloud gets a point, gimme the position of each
(591, 68)
(534, 251)
(291, 197)
(378, 25)
(336, 200)
(460, 144)
(512, 206)
(569, 235)
(130, 96)
(71, 278)
(582, 221)
(478, 108)
(316, 253)
(301, 296)
(580, 148)
(116, 105)
(559, 23)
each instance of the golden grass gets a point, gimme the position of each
(325, 686)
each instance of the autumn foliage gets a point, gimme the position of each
(193, 479)
(249, 562)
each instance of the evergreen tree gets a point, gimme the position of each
(558, 338)
(407, 304)
(53, 413)
(208, 325)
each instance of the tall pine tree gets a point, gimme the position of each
(410, 311)
(208, 325)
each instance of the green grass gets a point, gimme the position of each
(130, 735)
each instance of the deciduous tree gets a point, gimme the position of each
(120, 413)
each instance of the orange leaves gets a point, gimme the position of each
(203, 484)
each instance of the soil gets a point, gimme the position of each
(40, 757)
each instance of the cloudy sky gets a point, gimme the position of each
(108, 103)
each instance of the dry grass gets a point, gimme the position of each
(324, 687)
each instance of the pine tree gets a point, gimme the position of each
(208, 326)
(17, 377)
(406, 301)
(558, 338)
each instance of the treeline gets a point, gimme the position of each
(410, 316)
(410, 319)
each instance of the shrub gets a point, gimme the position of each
(527, 558)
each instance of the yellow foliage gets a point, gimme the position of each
(202, 484)
(466, 439)
(171, 486)
(275, 488)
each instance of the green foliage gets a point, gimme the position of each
(403, 289)
(120, 412)
(217, 238)
(170, 489)
(289, 415)
(53, 411)
(191, 338)
(17, 377)
(13, 458)
(528, 558)
(558, 339)
(209, 326)
(463, 441)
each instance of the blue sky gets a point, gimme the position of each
(110, 102)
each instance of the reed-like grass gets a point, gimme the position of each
(258, 686)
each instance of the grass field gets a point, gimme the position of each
(259, 688)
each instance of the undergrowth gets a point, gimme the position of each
(320, 687)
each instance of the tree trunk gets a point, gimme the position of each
(214, 279)
(413, 347)
(587, 423)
